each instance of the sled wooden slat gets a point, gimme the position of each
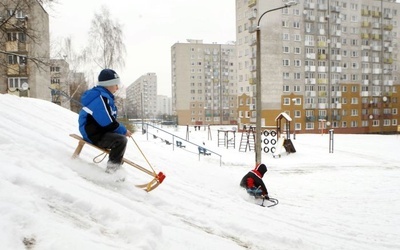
(82, 143)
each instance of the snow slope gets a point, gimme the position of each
(348, 199)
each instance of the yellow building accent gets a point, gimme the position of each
(321, 44)
(365, 12)
(365, 24)
(251, 3)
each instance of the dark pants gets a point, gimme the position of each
(116, 143)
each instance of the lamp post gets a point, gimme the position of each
(294, 118)
(258, 80)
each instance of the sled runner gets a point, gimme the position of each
(157, 178)
(257, 195)
(272, 201)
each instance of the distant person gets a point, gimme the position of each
(253, 182)
(98, 119)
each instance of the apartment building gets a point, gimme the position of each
(327, 63)
(24, 49)
(163, 105)
(204, 89)
(60, 82)
(141, 97)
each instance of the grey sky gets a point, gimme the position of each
(150, 29)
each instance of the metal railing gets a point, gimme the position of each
(145, 129)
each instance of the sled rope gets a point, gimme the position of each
(98, 161)
(158, 178)
(143, 155)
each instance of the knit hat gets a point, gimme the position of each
(108, 77)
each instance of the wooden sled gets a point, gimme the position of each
(157, 178)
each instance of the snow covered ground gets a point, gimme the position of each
(349, 199)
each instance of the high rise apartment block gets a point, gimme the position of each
(24, 49)
(163, 105)
(59, 82)
(141, 97)
(327, 63)
(204, 89)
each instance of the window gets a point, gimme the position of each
(286, 101)
(16, 82)
(354, 53)
(286, 75)
(16, 13)
(354, 112)
(286, 88)
(286, 49)
(286, 62)
(285, 37)
(309, 126)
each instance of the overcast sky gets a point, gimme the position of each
(150, 29)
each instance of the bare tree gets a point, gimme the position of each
(106, 46)
(18, 30)
(24, 48)
(74, 83)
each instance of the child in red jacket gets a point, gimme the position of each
(253, 182)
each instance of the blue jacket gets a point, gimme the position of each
(98, 115)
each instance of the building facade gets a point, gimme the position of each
(24, 49)
(164, 105)
(60, 82)
(141, 97)
(204, 89)
(327, 63)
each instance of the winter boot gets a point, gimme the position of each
(112, 167)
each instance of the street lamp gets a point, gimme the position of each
(258, 80)
(294, 118)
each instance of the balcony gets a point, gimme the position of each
(365, 12)
(251, 3)
(337, 106)
(321, 57)
(321, 44)
(253, 15)
(335, 8)
(388, 27)
(365, 24)
(376, 13)
(253, 28)
(310, 118)
(388, 60)
(323, 117)
(388, 16)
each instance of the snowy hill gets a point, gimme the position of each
(348, 199)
